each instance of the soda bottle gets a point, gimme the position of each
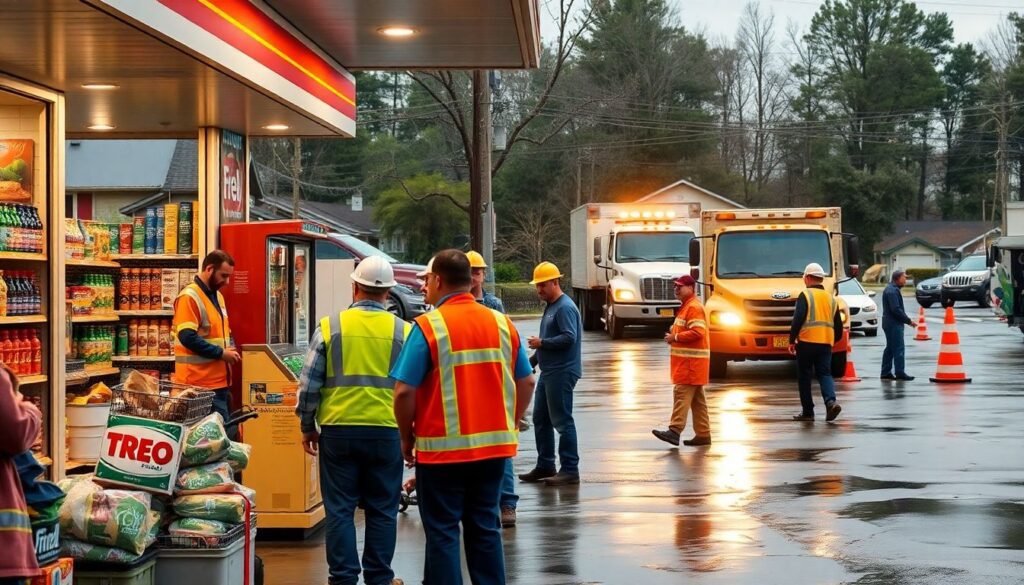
(13, 294)
(5, 348)
(37, 295)
(3, 227)
(37, 353)
(17, 353)
(37, 228)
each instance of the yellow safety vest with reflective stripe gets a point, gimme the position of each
(819, 326)
(201, 316)
(362, 345)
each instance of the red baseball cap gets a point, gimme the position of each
(686, 280)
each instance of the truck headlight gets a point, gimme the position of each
(624, 295)
(725, 318)
(978, 279)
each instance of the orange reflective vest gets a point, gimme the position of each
(691, 352)
(194, 310)
(465, 408)
(819, 326)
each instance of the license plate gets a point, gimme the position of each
(780, 342)
(665, 312)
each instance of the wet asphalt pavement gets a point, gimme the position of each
(914, 483)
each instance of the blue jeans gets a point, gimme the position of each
(222, 406)
(509, 498)
(552, 411)
(360, 469)
(814, 360)
(461, 493)
(895, 349)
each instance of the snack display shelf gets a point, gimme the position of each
(26, 256)
(110, 318)
(25, 380)
(23, 320)
(143, 358)
(82, 377)
(76, 464)
(92, 263)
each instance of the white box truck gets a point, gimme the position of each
(624, 259)
(1006, 258)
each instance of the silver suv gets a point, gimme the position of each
(967, 281)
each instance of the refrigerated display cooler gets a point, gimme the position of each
(271, 303)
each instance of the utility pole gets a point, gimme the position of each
(481, 232)
(296, 173)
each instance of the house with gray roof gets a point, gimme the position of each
(932, 244)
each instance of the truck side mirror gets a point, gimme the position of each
(695, 252)
(990, 258)
(853, 251)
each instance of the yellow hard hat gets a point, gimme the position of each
(475, 259)
(544, 272)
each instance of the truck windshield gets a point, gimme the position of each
(653, 247)
(771, 254)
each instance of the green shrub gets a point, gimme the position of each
(919, 274)
(507, 272)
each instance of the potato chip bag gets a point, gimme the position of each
(205, 442)
(205, 479)
(238, 455)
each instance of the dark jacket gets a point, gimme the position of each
(800, 315)
(893, 311)
(561, 332)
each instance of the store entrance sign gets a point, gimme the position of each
(233, 194)
(140, 453)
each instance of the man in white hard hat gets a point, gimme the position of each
(817, 325)
(347, 417)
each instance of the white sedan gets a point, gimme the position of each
(863, 311)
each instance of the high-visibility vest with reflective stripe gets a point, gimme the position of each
(194, 310)
(690, 359)
(362, 346)
(821, 311)
(466, 406)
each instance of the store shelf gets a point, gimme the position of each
(95, 319)
(93, 263)
(146, 257)
(31, 379)
(160, 313)
(26, 256)
(83, 377)
(133, 359)
(23, 320)
(75, 464)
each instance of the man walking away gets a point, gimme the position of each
(894, 317)
(203, 352)
(817, 325)
(558, 355)
(690, 361)
(346, 391)
(462, 381)
(509, 499)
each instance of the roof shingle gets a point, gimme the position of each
(941, 234)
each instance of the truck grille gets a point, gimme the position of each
(958, 280)
(769, 315)
(657, 289)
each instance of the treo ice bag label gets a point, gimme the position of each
(141, 453)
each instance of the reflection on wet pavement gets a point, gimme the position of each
(914, 484)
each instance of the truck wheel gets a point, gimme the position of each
(591, 321)
(838, 365)
(719, 365)
(925, 304)
(616, 327)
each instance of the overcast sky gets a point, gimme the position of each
(972, 21)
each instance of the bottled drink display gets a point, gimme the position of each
(95, 346)
(22, 351)
(93, 294)
(21, 229)
(21, 294)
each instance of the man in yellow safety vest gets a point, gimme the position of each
(346, 415)
(817, 325)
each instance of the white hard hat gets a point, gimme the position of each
(428, 270)
(374, 271)
(814, 269)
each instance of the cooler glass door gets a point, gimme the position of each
(278, 297)
(301, 258)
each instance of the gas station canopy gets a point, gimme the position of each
(162, 68)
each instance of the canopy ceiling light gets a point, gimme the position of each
(397, 31)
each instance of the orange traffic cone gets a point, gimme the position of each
(951, 362)
(922, 327)
(850, 375)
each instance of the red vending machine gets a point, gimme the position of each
(271, 308)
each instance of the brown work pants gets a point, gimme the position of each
(687, 396)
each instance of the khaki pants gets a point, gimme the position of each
(687, 396)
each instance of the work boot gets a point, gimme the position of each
(671, 437)
(832, 410)
(562, 478)
(698, 441)
(804, 417)
(886, 377)
(904, 377)
(536, 475)
(508, 517)
(523, 425)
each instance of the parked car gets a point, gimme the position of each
(967, 281)
(928, 292)
(405, 300)
(863, 310)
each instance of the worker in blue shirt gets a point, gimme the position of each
(559, 357)
(894, 318)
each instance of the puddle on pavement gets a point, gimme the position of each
(997, 525)
(808, 455)
(838, 485)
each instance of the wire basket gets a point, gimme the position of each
(162, 405)
(206, 542)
